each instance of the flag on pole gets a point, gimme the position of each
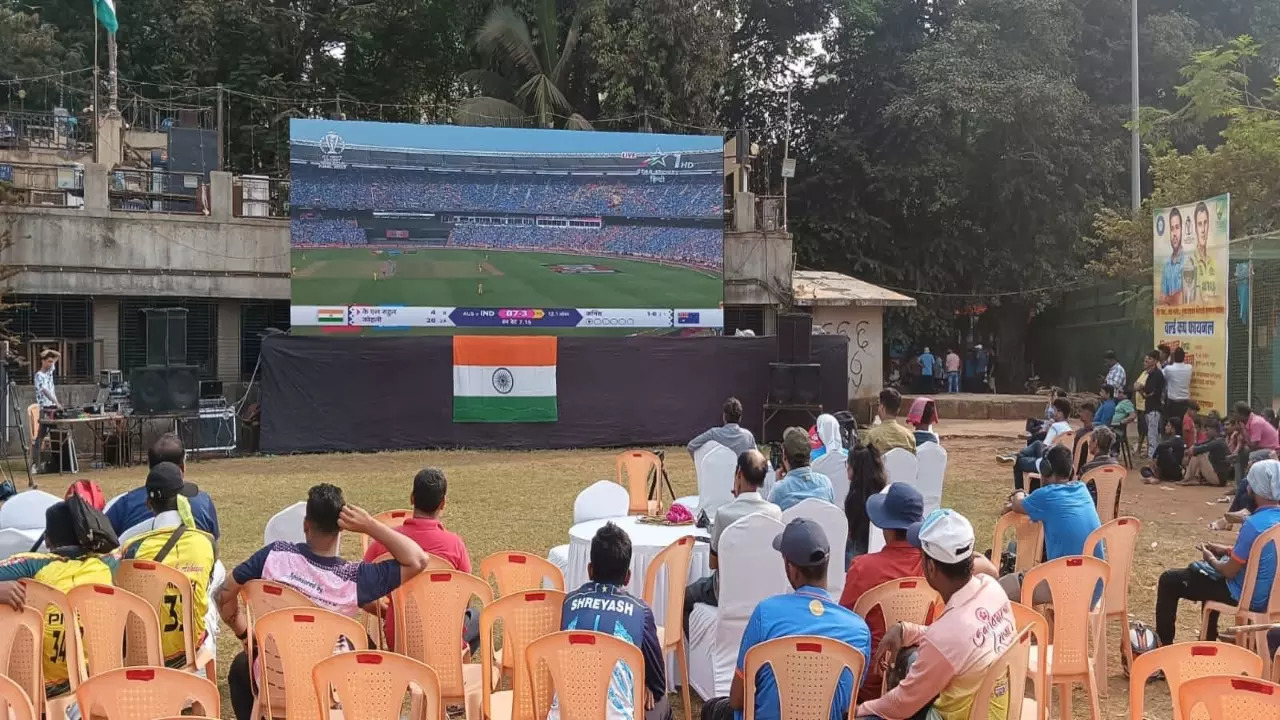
(105, 10)
(504, 379)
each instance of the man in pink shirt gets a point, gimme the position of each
(954, 652)
(1261, 441)
(953, 371)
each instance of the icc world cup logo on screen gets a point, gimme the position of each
(331, 147)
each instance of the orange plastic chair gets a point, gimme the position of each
(513, 572)
(1181, 662)
(429, 618)
(144, 693)
(156, 583)
(1068, 439)
(1232, 697)
(371, 686)
(21, 642)
(1072, 582)
(375, 622)
(908, 599)
(1242, 613)
(1028, 620)
(1011, 667)
(16, 700)
(105, 615)
(807, 670)
(676, 558)
(581, 664)
(301, 637)
(390, 518)
(1106, 480)
(1029, 535)
(260, 597)
(525, 616)
(49, 601)
(1119, 539)
(637, 465)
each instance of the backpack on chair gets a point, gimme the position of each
(91, 526)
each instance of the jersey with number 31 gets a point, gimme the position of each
(194, 555)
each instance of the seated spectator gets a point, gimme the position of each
(131, 515)
(174, 541)
(1257, 440)
(922, 416)
(1219, 576)
(316, 569)
(1207, 463)
(1168, 457)
(796, 480)
(747, 481)
(1066, 510)
(730, 434)
(1080, 445)
(1028, 459)
(866, 480)
(604, 605)
(1037, 427)
(952, 653)
(66, 565)
(1103, 439)
(828, 431)
(807, 611)
(1107, 408)
(1125, 413)
(890, 434)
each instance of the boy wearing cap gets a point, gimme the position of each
(956, 650)
(796, 480)
(807, 611)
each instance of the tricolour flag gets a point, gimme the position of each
(329, 316)
(106, 12)
(504, 379)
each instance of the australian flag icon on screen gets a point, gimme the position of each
(687, 318)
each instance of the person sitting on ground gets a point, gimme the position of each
(866, 479)
(1257, 440)
(425, 528)
(131, 515)
(604, 605)
(1168, 457)
(175, 541)
(952, 654)
(796, 480)
(809, 610)
(316, 569)
(922, 416)
(828, 430)
(890, 434)
(1106, 409)
(1191, 423)
(747, 481)
(1219, 576)
(66, 565)
(1028, 459)
(1207, 463)
(1065, 508)
(730, 434)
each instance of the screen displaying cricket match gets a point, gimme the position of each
(431, 228)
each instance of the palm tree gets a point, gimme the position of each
(536, 71)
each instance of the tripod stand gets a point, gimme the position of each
(654, 490)
(16, 420)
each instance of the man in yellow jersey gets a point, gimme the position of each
(65, 566)
(175, 541)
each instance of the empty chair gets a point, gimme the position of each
(169, 591)
(429, 622)
(1072, 583)
(602, 499)
(1029, 536)
(1011, 668)
(25, 511)
(835, 524)
(145, 693)
(104, 615)
(515, 571)
(1028, 620)
(834, 466)
(1181, 662)
(260, 597)
(807, 670)
(371, 686)
(15, 701)
(674, 561)
(931, 470)
(1119, 539)
(525, 617)
(901, 466)
(286, 525)
(1106, 480)
(581, 665)
(1229, 698)
(634, 468)
(21, 635)
(714, 465)
(300, 637)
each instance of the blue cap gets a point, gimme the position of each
(897, 508)
(803, 543)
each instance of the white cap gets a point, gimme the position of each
(944, 535)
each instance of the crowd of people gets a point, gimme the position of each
(416, 190)
(702, 247)
(314, 231)
(928, 372)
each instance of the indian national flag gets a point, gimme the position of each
(504, 379)
(331, 316)
(106, 12)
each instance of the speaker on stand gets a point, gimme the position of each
(794, 381)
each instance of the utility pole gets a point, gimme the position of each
(96, 109)
(221, 120)
(112, 76)
(1135, 169)
(786, 155)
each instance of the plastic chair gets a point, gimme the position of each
(15, 701)
(836, 526)
(1119, 539)
(1107, 480)
(260, 597)
(145, 693)
(371, 686)
(931, 471)
(1122, 438)
(1027, 619)
(160, 585)
(807, 670)
(516, 571)
(14, 541)
(21, 642)
(1029, 535)
(104, 615)
(286, 525)
(1242, 612)
(1068, 439)
(301, 637)
(1011, 667)
(375, 622)
(581, 665)
(1230, 697)
(908, 599)
(601, 499)
(390, 518)
(1072, 582)
(714, 465)
(875, 535)
(25, 511)
(675, 558)
(525, 616)
(429, 618)
(634, 468)
(901, 466)
(50, 602)
(1182, 662)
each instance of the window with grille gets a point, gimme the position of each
(202, 332)
(255, 318)
(744, 317)
(62, 322)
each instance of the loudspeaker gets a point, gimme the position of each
(794, 383)
(795, 331)
(166, 336)
(164, 389)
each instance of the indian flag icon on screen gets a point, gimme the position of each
(504, 379)
(331, 316)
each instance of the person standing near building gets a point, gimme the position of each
(1153, 399)
(1177, 385)
(953, 371)
(926, 370)
(1115, 371)
(47, 398)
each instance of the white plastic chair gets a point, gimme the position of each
(834, 466)
(931, 470)
(286, 525)
(112, 501)
(602, 499)
(750, 571)
(835, 525)
(901, 466)
(25, 511)
(14, 541)
(875, 535)
(714, 465)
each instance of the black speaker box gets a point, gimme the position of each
(794, 383)
(795, 331)
(161, 389)
(166, 336)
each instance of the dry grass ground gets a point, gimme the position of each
(524, 501)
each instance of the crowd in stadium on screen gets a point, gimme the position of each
(364, 189)
(694, 246)
(326, 231)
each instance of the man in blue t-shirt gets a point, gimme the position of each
(603, 605)
(131, 509)
(807, 611)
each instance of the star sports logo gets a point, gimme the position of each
(659, 160)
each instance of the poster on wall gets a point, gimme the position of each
(1190, 266)
(440, 229)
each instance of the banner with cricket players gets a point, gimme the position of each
(1190, 257)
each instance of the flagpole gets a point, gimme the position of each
(93, 5)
